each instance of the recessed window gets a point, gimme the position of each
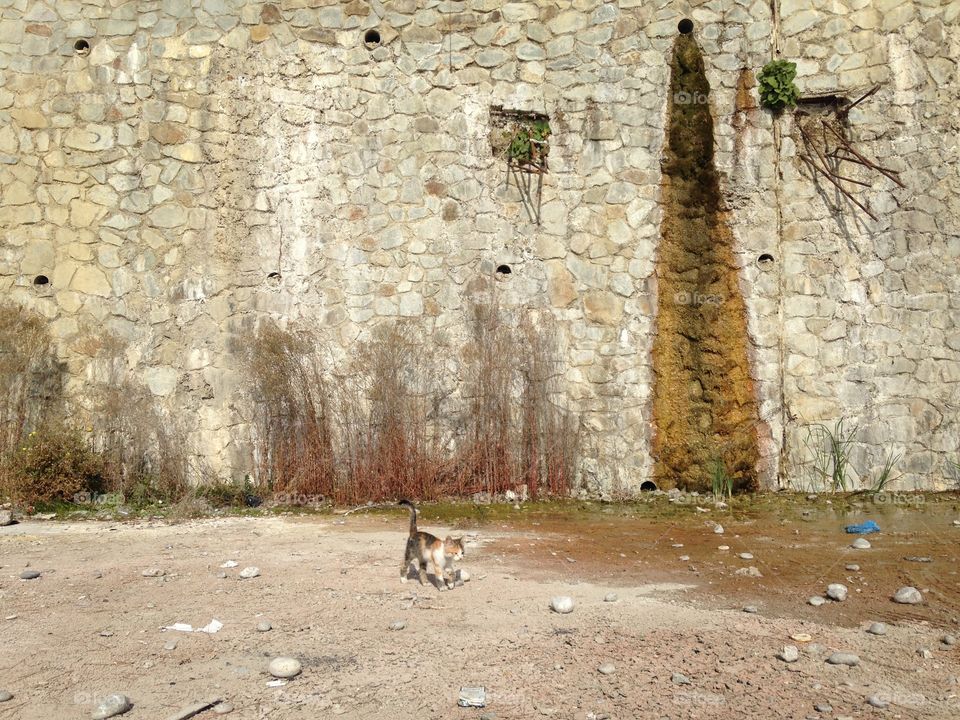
(503, 270)
(371, 38)
(41, 280)
(81, 47)
(685, 26)
(765, 260)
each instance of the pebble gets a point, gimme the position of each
(861, 544)
(221, 574)
(97, 575)
(110, 706)
(562, 604)
(718, 529)
(230, 564)
(222, 708)
(264, 626)
(250, 572)
(5, 696)
(957, 523)
(789, 654)
(153, 572)
(610, 597)
(752, 609)
(816, 601)
(908, 596)
(745, 556)
(853, 567)
(751, 571)
(918, 559)
(684, 558)
(837, 591)
(811, 497)
(607, 669)
(29, 574)
(677, 545)
(284, 667)
(925, 653)
(801, 637)
(463, 575)
(106, 633)
(823, 708)
(842, 658)
(723, 547)
(949, 640)
(877, 628)
(170, 645)
(679, 679)
(398, 625)
(6, 518)
(877, 702)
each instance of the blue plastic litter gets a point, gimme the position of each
(864, 528)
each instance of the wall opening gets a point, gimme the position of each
(648, 486)
(503, 270)
(765, 260)
(81, 47)
(685, 26)
(41, 280)
(371, 38)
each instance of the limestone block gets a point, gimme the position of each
(29, 119)
(561, 289)
(38, 258)
(603, 308)
(17, 193)
(161, 380)
(89, 138)
(91, 280)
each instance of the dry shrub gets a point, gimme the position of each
(54, 463)
(29, 375)
(387, 424)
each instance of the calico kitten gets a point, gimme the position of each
(426, 548)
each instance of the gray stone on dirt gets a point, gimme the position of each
(789, 654)
(222, 708)
(837, 591)
(751, 571)
(918, 559)
(684, 558)
(925, 653)
(463, 575)
(860, 544)
(718, 529)
(908, 596)
(877, 701)
(6, 518)
(745, 556)
(153, 572)
(877, 628)
(853, 567)
(398, 625)
(679, 679)
(950, 640)
(816, 601)
(29, 574)
(264, 626)
(823, 708)
(844, 658)
(250, 572)
(111, 706)
(562, 604)
(610, 597)
(607, 669)
(752, 609)
(170, 645)
(284, 667)
(5, 696)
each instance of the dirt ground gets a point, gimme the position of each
(91, 624)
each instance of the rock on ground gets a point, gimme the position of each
(284, 667)
(562, 604)
(843, 658)
(5, 696)
(111, 706)
(908, 596)
(860, 544)
(837, 591)
(877, 628)
(6, 518)
(816, 601)
(607, 669)
(789, 654)
(250, 572)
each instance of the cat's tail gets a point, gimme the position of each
(413, 515)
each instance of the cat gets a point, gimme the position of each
(426, 548)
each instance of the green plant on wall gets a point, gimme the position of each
(777, 90)
(528, 143)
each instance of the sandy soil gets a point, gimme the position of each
(91, 625)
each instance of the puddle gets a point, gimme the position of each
(798, 546)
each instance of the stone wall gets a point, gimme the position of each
(178, 169)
